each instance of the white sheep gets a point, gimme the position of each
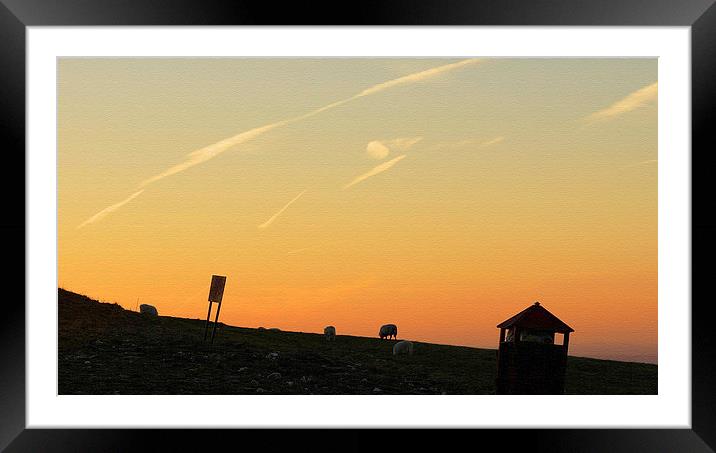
(403, 347)
(388, 330)
(330, 333)
(148, 309)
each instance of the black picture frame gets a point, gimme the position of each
(16, 15)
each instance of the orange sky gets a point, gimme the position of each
(440, 195)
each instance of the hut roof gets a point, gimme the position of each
(536, 317)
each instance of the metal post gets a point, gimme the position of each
(208, 316)
(216, 321)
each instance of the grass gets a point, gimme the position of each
(104, 349)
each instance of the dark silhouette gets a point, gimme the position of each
(528, 361)
(148, 310)
(387, 331)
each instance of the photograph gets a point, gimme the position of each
(357, 225)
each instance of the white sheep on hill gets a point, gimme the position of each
(403, 347)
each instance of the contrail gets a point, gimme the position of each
(417, 77)
(633, 101)
(209, 152)
(104, 212)
(275, 216)
(379, 169)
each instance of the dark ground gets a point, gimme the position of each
(104, 349)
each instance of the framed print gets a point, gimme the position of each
(425, 216)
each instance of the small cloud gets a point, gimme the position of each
(380, 149)
(633, 101)
(275, 216)
(377, 150)
(379, 169)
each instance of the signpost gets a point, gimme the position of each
(216, 293)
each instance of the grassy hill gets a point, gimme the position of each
(104, 349)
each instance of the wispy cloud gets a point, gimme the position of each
(494, 141)
(479, 143)
(104, 212)
(377, 170)
(380, 149)
(633, 101)
(209, 152)
(275, 216)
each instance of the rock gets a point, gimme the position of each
(364, 380)
(260, 390)
(272, 355)
(254, 382)
(376, 390)
(289, 383)
(148, 310)
(274, 376)
(243, 368)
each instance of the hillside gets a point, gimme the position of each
(104, 349)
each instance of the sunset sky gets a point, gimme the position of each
(442, 195)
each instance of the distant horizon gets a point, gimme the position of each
(340, 333)
(442, 194)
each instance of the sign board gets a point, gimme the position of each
(216, 292)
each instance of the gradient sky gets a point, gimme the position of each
(442, 195)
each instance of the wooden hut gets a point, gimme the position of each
(529, 360)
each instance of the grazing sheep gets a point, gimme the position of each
(148, 310)
(403, 347)
(388, 330)
(330, 333)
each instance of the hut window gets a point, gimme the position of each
(510, 335)
(537, 336)
(559, 339)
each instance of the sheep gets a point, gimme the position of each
(330, 333)
(388, 330)
(148, 310)
(403, 347)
